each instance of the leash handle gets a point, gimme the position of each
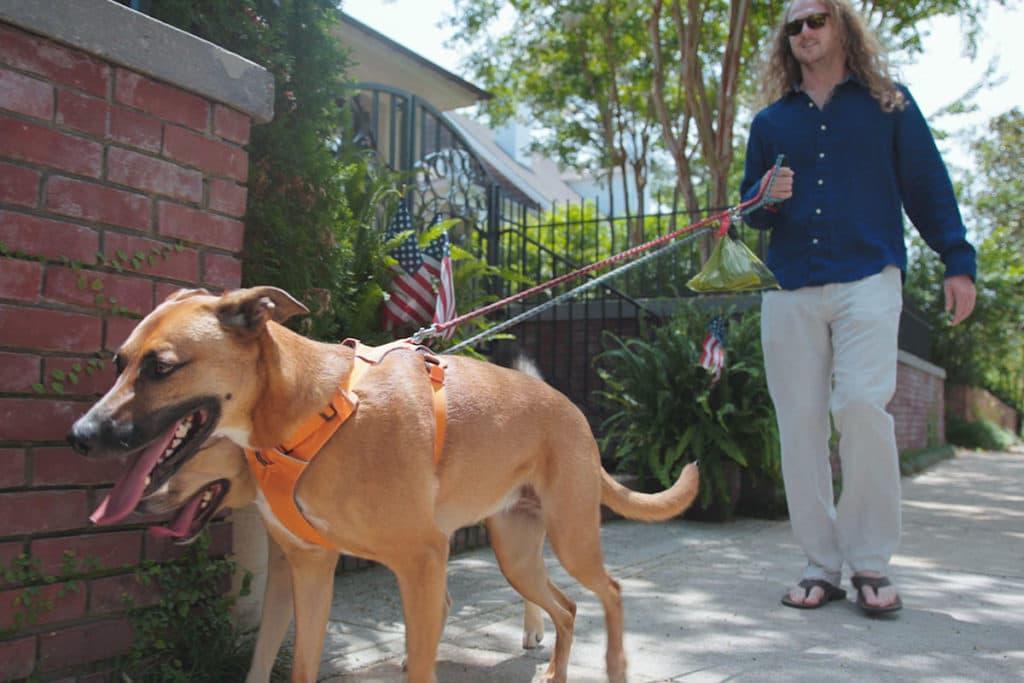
(763, 197)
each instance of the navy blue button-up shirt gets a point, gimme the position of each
(855, 167)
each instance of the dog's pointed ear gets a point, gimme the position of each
(250, 309)
(185, 294)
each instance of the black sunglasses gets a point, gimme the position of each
(814, 21)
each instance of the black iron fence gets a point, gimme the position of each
(530, 245)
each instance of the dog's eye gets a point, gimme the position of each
(154, 367)
(119, 364)
(161, 369)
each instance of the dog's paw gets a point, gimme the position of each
(531, 639)
(533, 625)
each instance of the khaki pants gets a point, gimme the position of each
(834, 348)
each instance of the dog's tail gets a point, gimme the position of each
(525, 365)
(652, 507)
(644, 507)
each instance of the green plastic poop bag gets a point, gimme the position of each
(732, 267)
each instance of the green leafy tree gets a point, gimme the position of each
(313, 201)
(987, 350)
(630, 84)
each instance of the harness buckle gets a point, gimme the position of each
(334, 412)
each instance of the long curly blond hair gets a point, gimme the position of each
(864, 58)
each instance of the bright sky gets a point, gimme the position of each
(939, 76)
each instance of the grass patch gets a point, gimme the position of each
(918, 460)
(981, 434)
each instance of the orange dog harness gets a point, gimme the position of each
(277, 470)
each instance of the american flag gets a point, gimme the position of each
(412, 294)
(713, 356)
(412, 301)
(437, 260)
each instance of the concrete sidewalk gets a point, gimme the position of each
(702, 601)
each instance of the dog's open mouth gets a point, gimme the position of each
(155, 464)
(194, 515)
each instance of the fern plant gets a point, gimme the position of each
(665, 411)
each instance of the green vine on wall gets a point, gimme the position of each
(122, 261)
(188, 636)
(31, 602)
(58, 377)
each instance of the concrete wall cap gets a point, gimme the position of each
(128, 38)
(913, 361)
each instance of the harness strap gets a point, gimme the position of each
(277, 470)
(373, 355)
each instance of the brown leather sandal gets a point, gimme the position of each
(874, 582)
(831, 593)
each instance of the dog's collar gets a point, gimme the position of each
(277, 470)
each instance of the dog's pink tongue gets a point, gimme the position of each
(125, 495)
(182, 523)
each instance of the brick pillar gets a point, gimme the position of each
(123, 175)
(918, 406)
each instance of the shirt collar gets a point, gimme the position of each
(850, 78)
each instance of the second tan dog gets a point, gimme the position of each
(217, 478)
(202, 366)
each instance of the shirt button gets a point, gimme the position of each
(821, 155)
(810, 104)
(817, 211)
(820, 181)
(823, 126)
(814, 241)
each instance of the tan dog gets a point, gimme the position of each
(218, 477)
(203, 366)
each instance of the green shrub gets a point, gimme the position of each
(188, 636)
(981, 434)
(666, 412)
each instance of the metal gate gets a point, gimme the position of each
(529, 243)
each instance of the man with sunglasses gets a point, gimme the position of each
(858, 153)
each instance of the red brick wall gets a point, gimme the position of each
(918, 408)
(95, 159)
(972, 404)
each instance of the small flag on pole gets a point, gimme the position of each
(413, 301)
(412, 294)
(437, 260)
(713, 356)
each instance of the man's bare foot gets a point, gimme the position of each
(875, 593)
(812, 593)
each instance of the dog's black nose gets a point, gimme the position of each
(82, 436)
